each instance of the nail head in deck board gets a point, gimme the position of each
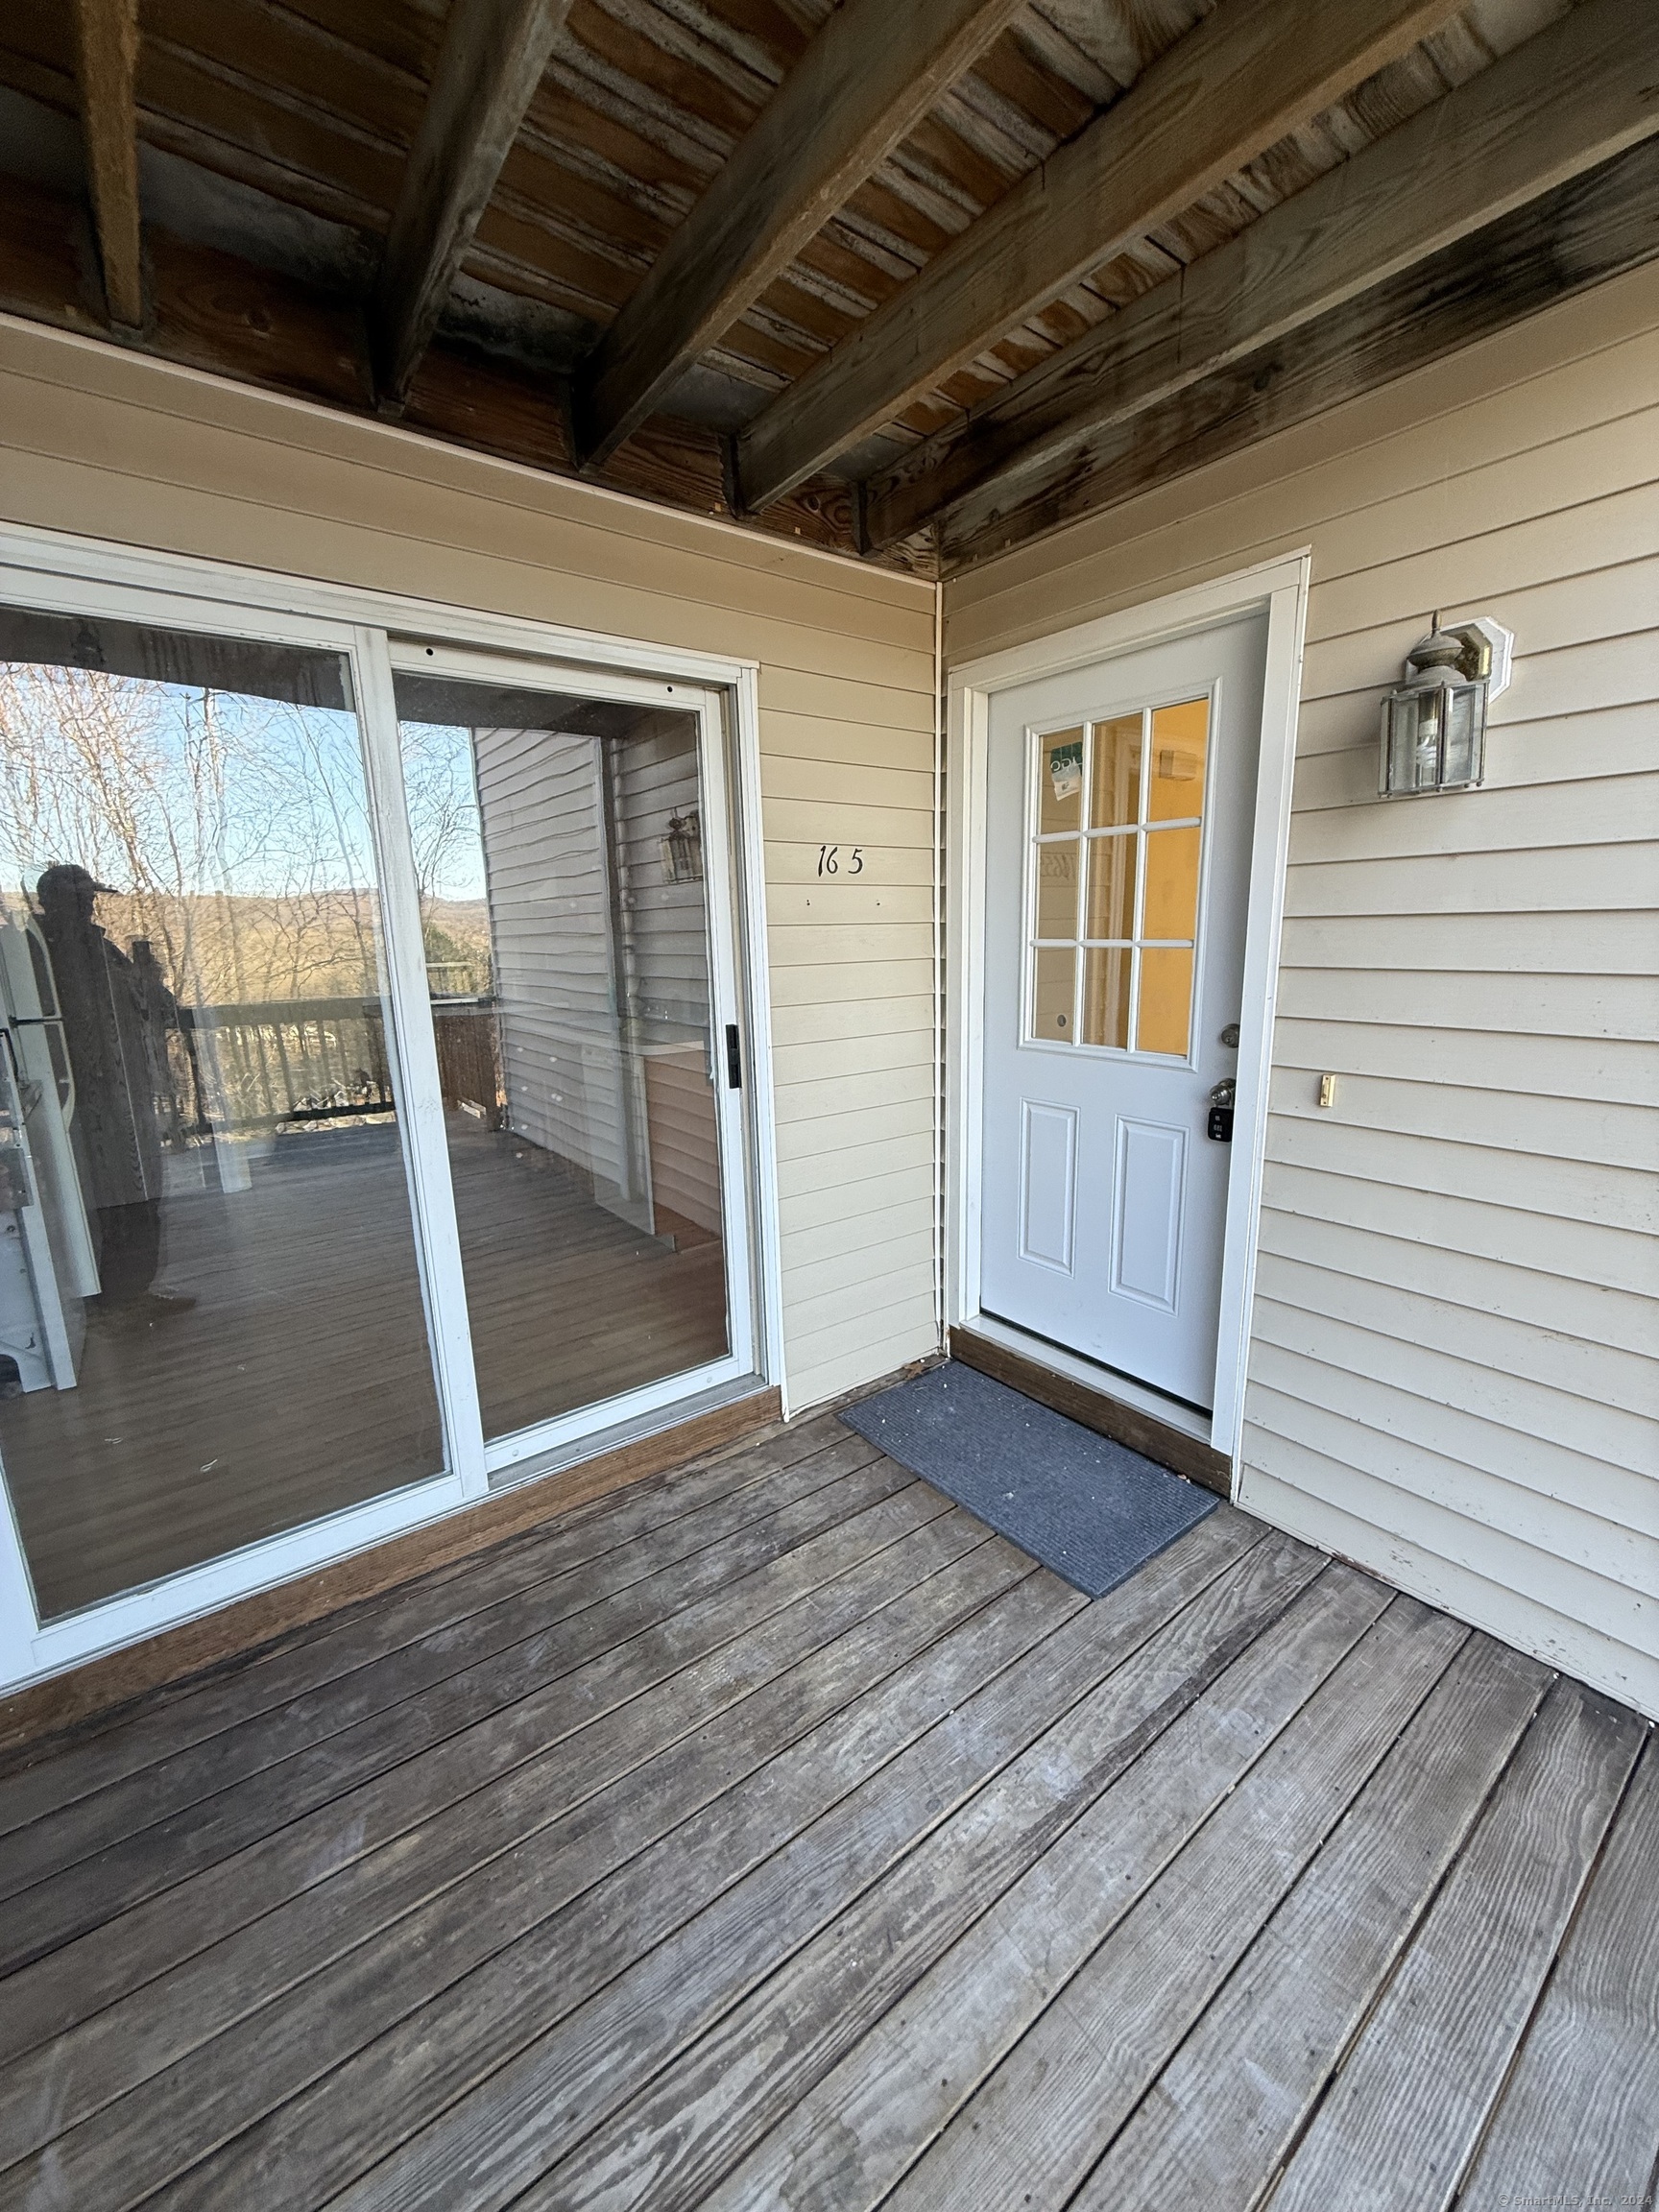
(476, 1881)
(852, 2137)
(514, 1604)
(492, 2140)
(1580, 2113)
(1217, 2121)
(1405, 2113)
(102, 1690)
(609, 1653)
(954, 1825)
(321, 2139)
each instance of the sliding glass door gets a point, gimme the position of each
(574, 971)
(371, 1120)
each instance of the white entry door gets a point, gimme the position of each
(1119, 809)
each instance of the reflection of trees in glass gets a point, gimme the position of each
(234, 835)
(447, 836)
(232, 831)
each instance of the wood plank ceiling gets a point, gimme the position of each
(918, 281)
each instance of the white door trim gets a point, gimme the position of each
(58, 572)
(1280, 587)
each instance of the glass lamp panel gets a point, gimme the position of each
(1171, 908)
(1460, 761)
(1180, 750)
(1106, 995)
(1165, 1017)
(1052, 994)
(1060, 782)
(1112, 868)
(1056, 913)
(1400, 743)
(1114, 793)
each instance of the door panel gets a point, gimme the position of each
(565, 909)
(1050, 1185)
(212, 1315)
(1120, 800)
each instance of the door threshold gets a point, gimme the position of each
(576, 1449)
(1160, 1428)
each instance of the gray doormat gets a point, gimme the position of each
(1090, 1509)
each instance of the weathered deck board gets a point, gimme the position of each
(506, 1619)
(557, 2030)
(1579, 2115)
(619, 1645)
(1221, 2115)
(1441, 2036)
(775, 1836)
(46, 1778)
(636, 1772)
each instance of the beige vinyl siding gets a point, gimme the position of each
(111, 445)
(1454, 1367)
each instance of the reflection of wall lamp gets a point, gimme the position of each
(1434, 725)
(683, 849)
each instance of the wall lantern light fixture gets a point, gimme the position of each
(1434, 725)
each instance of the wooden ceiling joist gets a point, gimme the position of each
(490, 62)
(1584, 233)
(1564, 102)
(105, 64)
(1251, 72)
(867, 79)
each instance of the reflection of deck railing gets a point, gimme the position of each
(267, 1063)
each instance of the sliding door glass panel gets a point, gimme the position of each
(557, 843)
(212, 1319)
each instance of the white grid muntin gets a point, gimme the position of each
(1038, 736)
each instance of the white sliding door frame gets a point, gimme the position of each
(56, 574)
(1278, 587)
(416, 658)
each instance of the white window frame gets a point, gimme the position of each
(1279, 589)
(57, 572)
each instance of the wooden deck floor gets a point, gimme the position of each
(301, 1384)
(771, 1835)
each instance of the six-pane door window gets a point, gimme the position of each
(1117, 833)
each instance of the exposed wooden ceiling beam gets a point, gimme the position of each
(105, 60)
(489, 66)
(1250, 72)
(1593, 228)
(1566, 100)
(213, 310)
(864, 83)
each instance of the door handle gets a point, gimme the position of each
(734, 1058)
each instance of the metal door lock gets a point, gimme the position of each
(1219, 1126)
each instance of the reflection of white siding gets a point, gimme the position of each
(1452, 1374)
(656, 779)
(541, 805)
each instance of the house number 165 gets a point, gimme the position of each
(829, 860)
